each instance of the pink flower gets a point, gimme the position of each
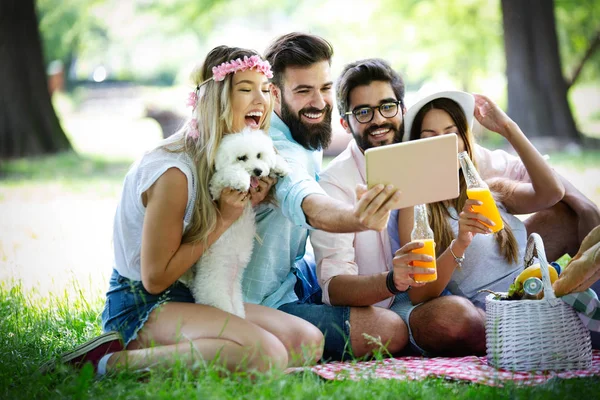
(192, 99)
(253, 62)
(193, 132)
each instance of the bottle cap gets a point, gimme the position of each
(556, 267)
(532, 286)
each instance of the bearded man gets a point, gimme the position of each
(300, 128)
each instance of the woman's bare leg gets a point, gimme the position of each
(192, 333)
(303, 341)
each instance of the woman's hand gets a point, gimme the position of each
(404, 271)
(471, 223)
(258, 194)
(231, 204)
(491, 116)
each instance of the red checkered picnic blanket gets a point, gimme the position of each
(472, 368)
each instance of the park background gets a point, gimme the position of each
(89, 85)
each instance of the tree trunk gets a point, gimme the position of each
(28, 124)
(537, 90)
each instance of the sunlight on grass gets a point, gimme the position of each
(114, 138)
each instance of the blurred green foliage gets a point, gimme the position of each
(456, 40)
(578, 22)
(69, 28)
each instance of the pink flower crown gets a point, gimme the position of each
(219, 74)
(231, 67)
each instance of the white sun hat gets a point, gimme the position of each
(465, 100)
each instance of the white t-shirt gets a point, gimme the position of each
(129, 217)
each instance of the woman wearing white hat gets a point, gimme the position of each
(477, 260)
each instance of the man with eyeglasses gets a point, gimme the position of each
(358, 269)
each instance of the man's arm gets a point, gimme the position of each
(335, 254)
(370, 212)
(587, 211)
(303, 201)
(358, 290)
(337, 268)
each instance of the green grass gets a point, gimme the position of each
(67, 166)
(579, 161)
(32, 331)
(69, 171)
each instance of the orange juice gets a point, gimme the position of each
(428, 249)
(488, 208)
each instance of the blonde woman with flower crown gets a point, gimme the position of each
(165, 221)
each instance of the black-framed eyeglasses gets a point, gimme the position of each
(365, 115)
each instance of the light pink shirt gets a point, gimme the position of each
(498, 163)
(369, 252)
(362, 253)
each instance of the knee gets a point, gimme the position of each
(305, 343)
(269, 354)
(394, 332)
(466, 323)
(377, 329)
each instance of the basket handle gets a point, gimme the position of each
(535, 248)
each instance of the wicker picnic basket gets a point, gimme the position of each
(527, 335)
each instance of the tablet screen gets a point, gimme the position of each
(425, 170)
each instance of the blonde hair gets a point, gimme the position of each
(214, 118)
(438, 212)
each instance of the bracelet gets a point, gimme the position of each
(391, 286)
(458, 260)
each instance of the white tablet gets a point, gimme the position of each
(425, 170)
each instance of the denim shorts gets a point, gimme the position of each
(128, 304)
(333, 321)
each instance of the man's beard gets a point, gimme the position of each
(364, 143)
(310, 136)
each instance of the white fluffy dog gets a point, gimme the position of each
(241, 160)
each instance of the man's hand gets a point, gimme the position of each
(374, 205)
(404, 271)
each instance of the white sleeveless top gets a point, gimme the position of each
(129, 217)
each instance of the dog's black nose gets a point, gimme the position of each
(257, 171)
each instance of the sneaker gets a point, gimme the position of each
(91, 351)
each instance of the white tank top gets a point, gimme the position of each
(129, 217)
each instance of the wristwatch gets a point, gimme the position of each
(459, 260)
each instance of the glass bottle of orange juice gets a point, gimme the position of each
(477, 189)
(422, 232)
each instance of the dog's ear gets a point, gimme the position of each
(225, 152)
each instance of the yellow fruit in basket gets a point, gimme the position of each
(535, 271)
